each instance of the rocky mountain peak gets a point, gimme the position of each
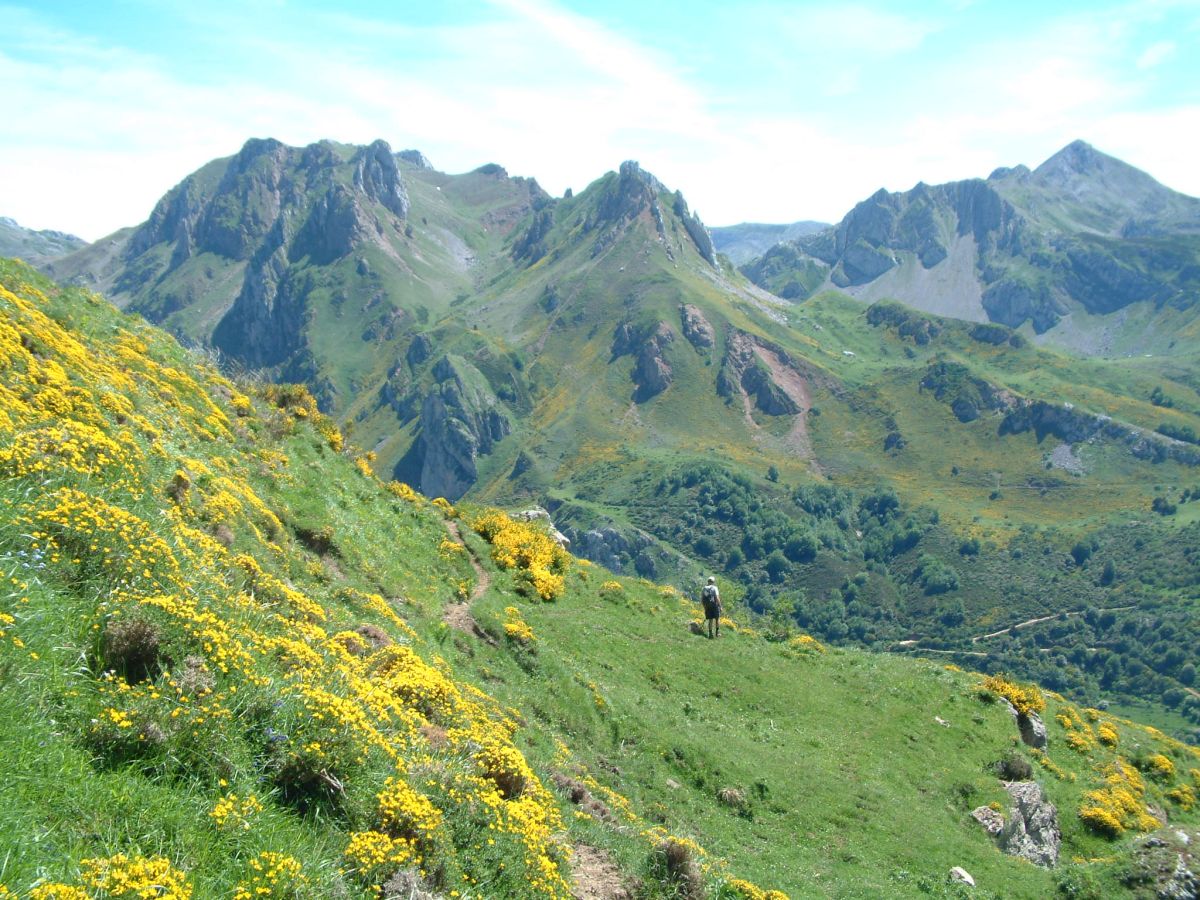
(1077, 158)
(416, 158)
(378, 176)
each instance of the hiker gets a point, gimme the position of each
(710, 598)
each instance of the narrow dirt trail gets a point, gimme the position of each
(1035, 621)
(458, 615)
(595, 876)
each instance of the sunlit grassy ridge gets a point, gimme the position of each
(224, 673)
(162, 614)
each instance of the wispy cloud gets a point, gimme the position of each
(849, 99)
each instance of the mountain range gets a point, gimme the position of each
(35, 246)
(1086, 250)
(235, 663)
(903, 475)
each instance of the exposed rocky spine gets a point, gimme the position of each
(651, 372)
(696, 328)
(461, 420)
(743, 370)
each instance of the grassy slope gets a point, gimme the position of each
(852, 789)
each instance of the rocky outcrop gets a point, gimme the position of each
(743, 370)
(967, 395)
(696, 328)
(335, 224)
(615, 550)
(419, 350)
(461, 420)
(1029, 725)
(1031, 830)
(377, 176)
(416, 158)
(992, 820)
(652, 373)
(695, 230)
(1082, 230)
(35, 246)
(1074, 426)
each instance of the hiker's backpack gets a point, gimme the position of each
(709, 593)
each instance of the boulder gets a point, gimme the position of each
(1030, 726)
(961, 875)
(991, 820)
(1031, 831)
(696, 328)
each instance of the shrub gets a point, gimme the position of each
(677, 859)
(130, 648)
(1014, 767)
(1025, 700)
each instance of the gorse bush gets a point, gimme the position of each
(212, 668)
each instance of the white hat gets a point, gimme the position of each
(711, 580)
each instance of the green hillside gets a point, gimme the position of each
(591, 354)
(1085, 251)
(234, 663)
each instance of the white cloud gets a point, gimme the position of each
(95, 134)
(1156, 53)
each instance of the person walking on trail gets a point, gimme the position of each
(710, 599)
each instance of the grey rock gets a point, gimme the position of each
(377, 175)
(1033, 730)
(416, 157)
(609, 547)
(742, 369)
(1030, 726)
(961, 875)
(1031, 831)
(35, 246)
(1184, 884)
(537, 514)
(991, 820)
(696, 328)
(651, 372)
(461, 420)
(419, 350)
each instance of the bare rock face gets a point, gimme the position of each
(743, 369)
(696, 328)
(991, 820)
(461, 420)
(1031, 831)
(651, 372)
(377, 175)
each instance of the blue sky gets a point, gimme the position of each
(762, 111)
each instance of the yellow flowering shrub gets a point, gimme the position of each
(516, 629)
(135, 877)
(58, 891)
(1024, 698)
(143, 491)
(232, 812)
(527, 548)
(1183, 796)
(1117, 806)
(751, 891)
(272, 876)
(1160, 766)
(804, 643)
(403, 491)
